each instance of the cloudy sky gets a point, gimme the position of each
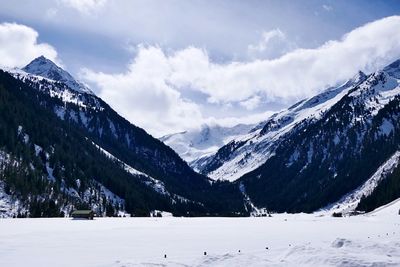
(170, 65)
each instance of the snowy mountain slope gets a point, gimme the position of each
(85, 110)
(57, 89)
(95, 120)
(157, 185)
(12, 204)
(391, 209)
(349, 202)
(331, 153)
(58, 168)
(9, 205)
(197, 144)
(251, 150)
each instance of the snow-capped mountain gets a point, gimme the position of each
(196, 145)
(249, 151)
(46, 68)
(333, 151)
(153, 176)
(324, 148)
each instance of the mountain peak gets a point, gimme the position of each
(44, 67)
(41, 58)
(359, 77)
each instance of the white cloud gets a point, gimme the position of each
(297, 74)
(267, 37)
(150, 92)
(272, 44)
(246, 119)
(85, 6)
(251, 103)
(143, 95)
(19, 45)
(51, 13)
(327, 7)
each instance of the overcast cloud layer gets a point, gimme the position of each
(155, 81)
(84, 6)
(172, 65)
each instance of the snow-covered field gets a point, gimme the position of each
(292, 240)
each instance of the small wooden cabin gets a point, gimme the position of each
(82, 214)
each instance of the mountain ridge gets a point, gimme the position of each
(129, 145)
(251, 150)
(322, 160)
(354, 110)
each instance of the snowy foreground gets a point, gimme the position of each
(292, 240)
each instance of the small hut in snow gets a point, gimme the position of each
(82, 214)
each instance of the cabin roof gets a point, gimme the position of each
(82, 212)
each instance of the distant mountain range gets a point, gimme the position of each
(62, 148)
(195, 146)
